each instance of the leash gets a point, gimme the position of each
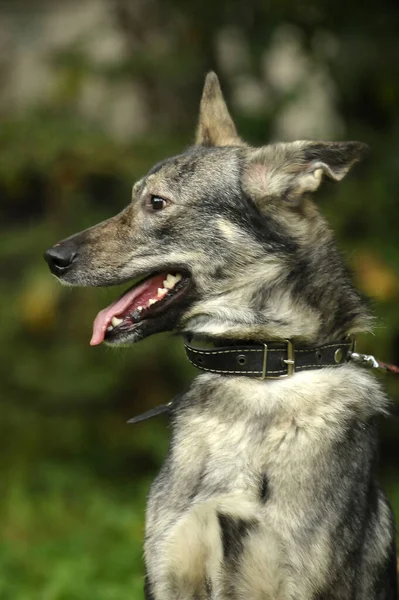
(271, 360)
(368, 360)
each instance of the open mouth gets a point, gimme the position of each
(148, 300)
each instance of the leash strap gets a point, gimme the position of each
(388, 367)
(270, 360)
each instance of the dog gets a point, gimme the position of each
(268, 491)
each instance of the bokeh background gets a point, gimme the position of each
(92, 93)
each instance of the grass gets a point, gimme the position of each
(70, 533)
(67, 536)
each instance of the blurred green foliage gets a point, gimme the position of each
(74, 475)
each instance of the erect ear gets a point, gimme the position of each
(293, 169)
(215, 125)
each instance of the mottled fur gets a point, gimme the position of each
(268, 491)
(325, 527)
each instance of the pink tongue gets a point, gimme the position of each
(137, 296)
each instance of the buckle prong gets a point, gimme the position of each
(264, 366)
(290, 360)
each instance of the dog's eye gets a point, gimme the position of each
(156, 203)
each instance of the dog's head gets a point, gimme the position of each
(225, 241)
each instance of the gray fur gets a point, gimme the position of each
(268, 491)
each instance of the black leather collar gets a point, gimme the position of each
(270, 360)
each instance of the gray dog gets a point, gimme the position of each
(268, 491)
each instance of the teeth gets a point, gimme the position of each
(109, 328)
(170, 281)
(115, 321)
(161, 292)
(139, 308)
(151, 301)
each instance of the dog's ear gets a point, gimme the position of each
(293, 169)
(215, 125)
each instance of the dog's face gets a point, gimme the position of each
(222, 238)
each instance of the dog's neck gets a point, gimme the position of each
(306, 296)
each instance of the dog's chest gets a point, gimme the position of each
(230, 436)
(264, 454)
(221, 455)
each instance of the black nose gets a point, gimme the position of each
(60, 257)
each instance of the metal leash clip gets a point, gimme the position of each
(366, 360)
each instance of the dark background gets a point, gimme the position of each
(92, 93)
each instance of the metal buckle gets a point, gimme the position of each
(289, 361)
